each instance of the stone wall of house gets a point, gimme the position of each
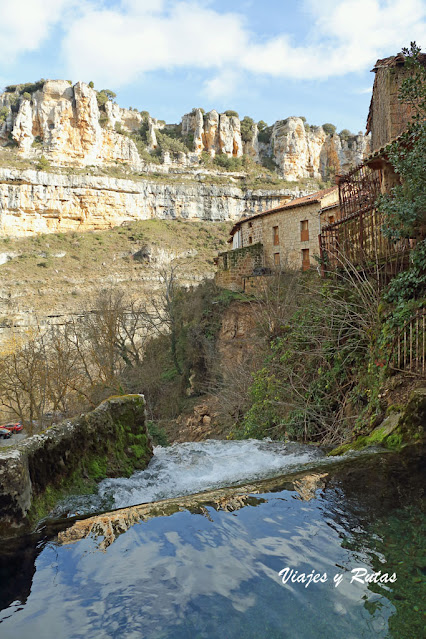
(388, 116)
(290, 245)
(252, 232)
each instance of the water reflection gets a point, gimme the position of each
(215, 576)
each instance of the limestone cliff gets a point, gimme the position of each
(301, 151)
(79, 126)
(40, 202)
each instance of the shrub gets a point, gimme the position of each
(227, 163)
(157, 433)
(231, 114)
(247, 127)
(411, 283)
(171, 142)
(26, 95)
(91, 84)
(43, 164)
(269, 163)
(206, 159)
(345, 134)
(26, 87)
(103, 97)
(261, 125)
(4, 111)
(329, 128)
(265, 135)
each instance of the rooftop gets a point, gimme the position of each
(300, 201)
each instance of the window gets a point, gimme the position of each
(331, 219)
(250, 239)
(306, 263)
(250, 225)
(276, 259)
(304, 231)
(276, 236)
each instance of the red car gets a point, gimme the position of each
(13, 427)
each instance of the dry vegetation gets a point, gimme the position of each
(56, 273)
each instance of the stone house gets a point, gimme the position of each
(388, 117)
(285, 237)
(357, 236)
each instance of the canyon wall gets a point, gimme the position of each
(41, 202)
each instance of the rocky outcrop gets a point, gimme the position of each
(301, 151)
(398, 430)
(77, 125)
(64, 122)
(111, 441)
(40, 202)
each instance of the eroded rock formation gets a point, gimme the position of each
(71, 125)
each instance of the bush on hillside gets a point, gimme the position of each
(329, 128)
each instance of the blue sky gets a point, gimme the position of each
(265, 58)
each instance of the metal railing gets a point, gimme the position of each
(409, 347)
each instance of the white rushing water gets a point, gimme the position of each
(192, 467)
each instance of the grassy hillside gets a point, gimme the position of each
(59, 273)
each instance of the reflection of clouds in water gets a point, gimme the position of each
(161, 573)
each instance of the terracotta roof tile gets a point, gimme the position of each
(300, 201)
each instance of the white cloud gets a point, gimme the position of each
(114, 44)
(223, 85)
(24, 24)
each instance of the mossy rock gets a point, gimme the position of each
(71, 458)
(397, 431)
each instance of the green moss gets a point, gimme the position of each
(397, 431)
(43, 503)
(395, 441)
(138, 451)
(109, 442)
(98, 468)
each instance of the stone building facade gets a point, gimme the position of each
(357, 236)
(388, 117)
(283, 238)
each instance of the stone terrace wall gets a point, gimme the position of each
(234, 266)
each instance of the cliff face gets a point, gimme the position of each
(40, 202)
(72, 125)
(65, 121)
(301, 153)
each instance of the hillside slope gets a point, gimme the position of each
(49, 277)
